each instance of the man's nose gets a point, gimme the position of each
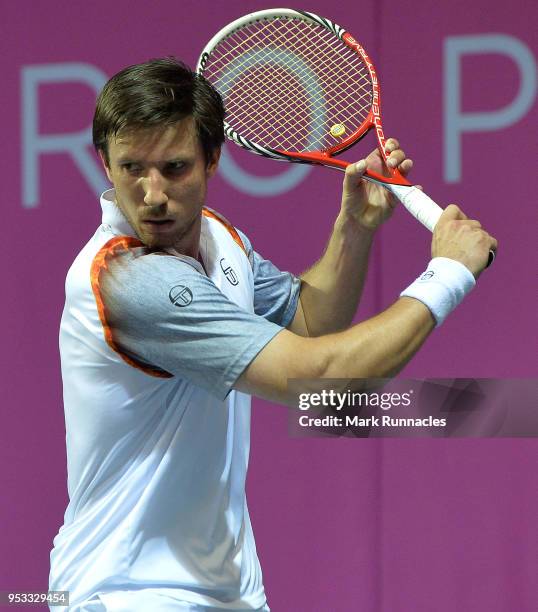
(154, 186)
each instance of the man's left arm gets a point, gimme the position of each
(331, 289)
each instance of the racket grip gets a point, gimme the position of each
(423, 208)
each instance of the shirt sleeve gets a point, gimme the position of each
(164, 313)
(276, 293)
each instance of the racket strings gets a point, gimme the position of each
(282, 85)
(252, 112)
(290, 85)
(296, 65)
(286, 82)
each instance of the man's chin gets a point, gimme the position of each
(157, 242)
(158, 236)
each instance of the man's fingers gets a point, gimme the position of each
(471, 223)
(396, 158)
(452, 212)
(353, 174)
(493, 243)
(391, 144)
(406, 166)
(356, 170)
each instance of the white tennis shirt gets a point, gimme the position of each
(157, 440)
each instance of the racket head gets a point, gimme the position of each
(295, 86)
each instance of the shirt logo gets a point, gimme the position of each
(180, 296)
(229, 273)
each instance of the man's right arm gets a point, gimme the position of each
(376, 348)
(380, 346)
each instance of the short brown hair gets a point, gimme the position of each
(159, 92)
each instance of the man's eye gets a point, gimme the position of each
(175, 166)
(130, 167)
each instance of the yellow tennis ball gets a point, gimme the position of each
(338, 129)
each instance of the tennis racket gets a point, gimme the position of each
(299, 88)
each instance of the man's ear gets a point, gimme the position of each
(105, 164)
(213, 163)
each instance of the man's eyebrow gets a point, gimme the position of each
(133, 159)
(126, 158)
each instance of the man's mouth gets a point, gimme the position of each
(157, 224)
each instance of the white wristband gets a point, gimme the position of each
(441, 287)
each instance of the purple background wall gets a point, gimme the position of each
(342, 525)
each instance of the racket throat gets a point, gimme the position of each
(325, 159)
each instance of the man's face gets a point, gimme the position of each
(160, 177)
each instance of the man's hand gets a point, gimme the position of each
(460, 238)
(332, 287)
(366, 204)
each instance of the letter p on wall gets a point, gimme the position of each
(456, 122)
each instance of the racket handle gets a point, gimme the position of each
(422, 207)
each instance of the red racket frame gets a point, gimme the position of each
(373, 120)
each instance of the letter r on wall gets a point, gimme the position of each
(76, 144)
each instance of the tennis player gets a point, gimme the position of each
(172, 320)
